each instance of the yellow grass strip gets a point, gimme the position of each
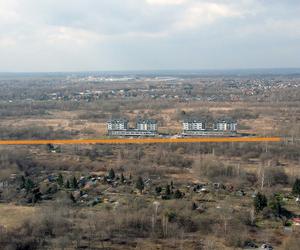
(142, 140)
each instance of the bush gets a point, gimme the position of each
(275, 176)
(178, 194)
(276, 205)
(174, 160)
(296, 187)
(187, 224)
(212, 168)
(260, 202)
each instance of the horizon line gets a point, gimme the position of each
(151, 70)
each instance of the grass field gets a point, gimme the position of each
(12, 216)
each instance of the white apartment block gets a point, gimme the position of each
(117, 124)
(225, 125)
(193, 125)
(146, 125)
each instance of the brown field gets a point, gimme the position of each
(13, 216)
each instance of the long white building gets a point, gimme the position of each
(199, 127)
(143, 127)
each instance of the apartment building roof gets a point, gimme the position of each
(194, 120)
(118, 120)
(225, 120)
(146, 121)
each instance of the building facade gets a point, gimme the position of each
(193, 125)
(199, 127)
(143, 127)
(225, 125)
(117, 124)
(146, 125)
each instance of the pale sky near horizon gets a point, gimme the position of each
(79, 35)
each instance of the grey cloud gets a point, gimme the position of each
(135, 34)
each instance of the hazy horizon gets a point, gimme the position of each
(273, 70)
(158, 73)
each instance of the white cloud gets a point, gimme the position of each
(7, 41)
(8, 12)
(205, 13)
(271, 27)
(56, 35)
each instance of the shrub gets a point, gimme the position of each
(275, 176)
(260, 202)
(140, 184)
(111, 174)
(178, 194)
(276, 204)
(296, 187)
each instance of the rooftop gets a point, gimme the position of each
(195, 120)
(226, 120)
(118, 120)
(146, 121)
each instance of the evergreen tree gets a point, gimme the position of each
(29, 185)
(158, 190)
(172, 185)
(140, 184)
(194, 206)
(50, 147)
(260, 202)
(178, 194)
(296, 187)
(23, 180)
(122, 178)
(74, 183)
(60, 180)
(111, 174)
(67, 185)
(168, 190)
(276, 204)
(36, 197)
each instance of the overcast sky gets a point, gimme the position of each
(79, 35)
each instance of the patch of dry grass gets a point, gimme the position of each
(12, 216)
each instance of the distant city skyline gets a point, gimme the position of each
(130, 35)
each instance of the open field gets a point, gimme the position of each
(12, 216)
